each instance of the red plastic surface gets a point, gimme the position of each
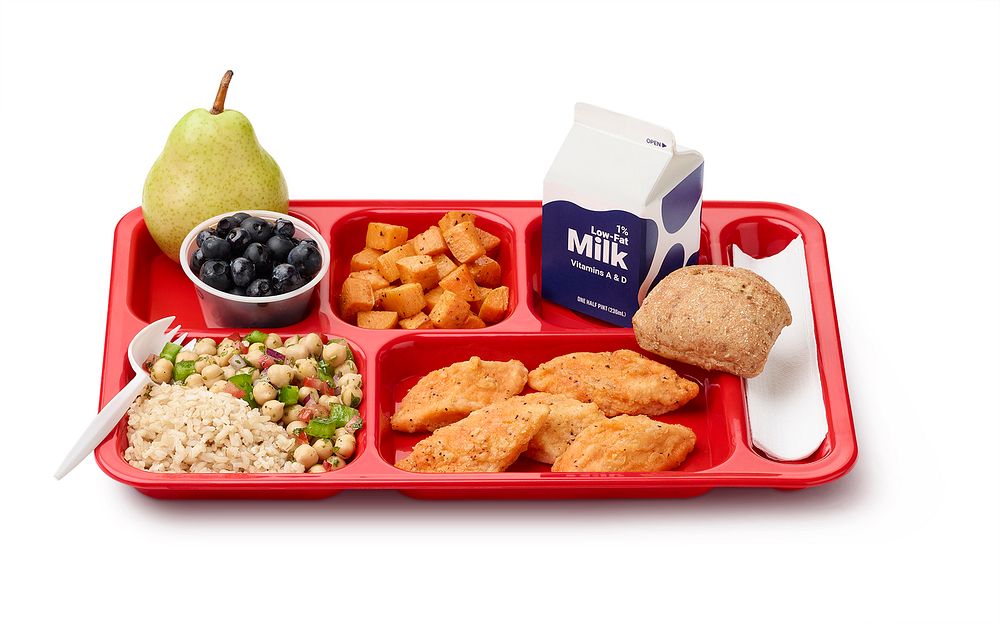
(145, 286)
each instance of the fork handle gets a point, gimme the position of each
(102, 424)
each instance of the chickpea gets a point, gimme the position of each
(293, 428)
(296, 352)
(227, 342)
(351, 379)
(346, 368)
(202, 362)
(313, 343)
(273, 410)
(335, 463)
(339, 431)
(291, 414)
(306, 368)
(273, 341)
(205, 346)
(228, 371)
(263, 392)
(345, 445)
(306, 455)
(211, 372)
(257, 346)
(324, 448)
(335, 353)
(224, 354)
(253, 358)
(291, 340)
(218, 386)
(306, 393)
(194, 380)
(316, 468)
(328, 399)
(280, 375)
(350, 396)
(162, 370)
(186, 356)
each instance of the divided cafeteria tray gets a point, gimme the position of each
(146, 285)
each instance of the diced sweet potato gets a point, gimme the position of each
(453, 218)
(378, 319)
(476, 304)
(430, 242)
(463, 242)
(407, 299)
(356, 295)
(418, 270)
(386, 263)
(450, 311)
(373, 276)
(473, 322)
(417, 321)
(380, 297)
(365, 259)
(495, 304)
(431, 298)
(461, 283)
(486, 271)
(384, 236)
(444, 264)
(489, 241)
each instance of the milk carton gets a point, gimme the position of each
(621, 208)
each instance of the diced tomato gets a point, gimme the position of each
(302, 437)
(234, 390)
(266, 362)
(235, 337)
(319, 385)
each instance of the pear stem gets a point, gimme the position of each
(220, 97)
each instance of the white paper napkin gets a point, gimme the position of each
(785, 402)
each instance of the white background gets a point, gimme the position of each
(880, 119)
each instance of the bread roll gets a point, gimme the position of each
(716, 317)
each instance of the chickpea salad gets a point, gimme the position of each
(310, 384)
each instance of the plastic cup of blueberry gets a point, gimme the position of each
(254, 268)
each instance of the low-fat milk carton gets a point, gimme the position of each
(621, 208)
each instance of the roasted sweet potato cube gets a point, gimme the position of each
(450, 311)
(386, 263)
(495, 304)
(453, 218)
(463, 242)
(407, 299)
(378, 319)
(430, 242)
(475, 304)
(486, 271)
(385, 236)
(365, 259)
(461, 283)
(417, 321)
(431, 298)
(473, 322)
(373, 276)
(444, 264)
(489, 241)
(418, 270)
(380, 297)
(356, 295)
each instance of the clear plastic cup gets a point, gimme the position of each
(222, 309)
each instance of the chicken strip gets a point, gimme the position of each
(451, 393)
(627, 444)
(567, 417)
(622, 382)
(488, 440)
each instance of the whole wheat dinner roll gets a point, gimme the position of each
(716, 317)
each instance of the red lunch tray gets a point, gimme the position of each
(146, 285)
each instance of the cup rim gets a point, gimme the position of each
(324, 249)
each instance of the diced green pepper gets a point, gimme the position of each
(323, 371)
(245, 383)
(289, 395)
(183, 369)
(321, 427)
(342, 414)
(170, 351)
(256, 336)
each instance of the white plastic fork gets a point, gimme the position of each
(150, 340)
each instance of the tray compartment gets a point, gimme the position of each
(348, 236)
(402, 362)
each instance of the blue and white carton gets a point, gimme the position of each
(621, 208)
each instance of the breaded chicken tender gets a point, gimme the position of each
(451, 393)
(627, 444)
(567, 417)
(622, 382)
(488, 440)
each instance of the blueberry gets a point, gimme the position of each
(215, 273)
(239, 217)
(285, 278)
(309, 241)
(242, 270)
(238, 239)
(261, 258)
(279, 246)
(225, 226)
(259, 288)
(260, 230)
(284, 227)
(216, 248)
(202, 235)
(236, 290)
(197, 260)
(306, 258)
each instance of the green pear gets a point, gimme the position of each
(211, 164)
